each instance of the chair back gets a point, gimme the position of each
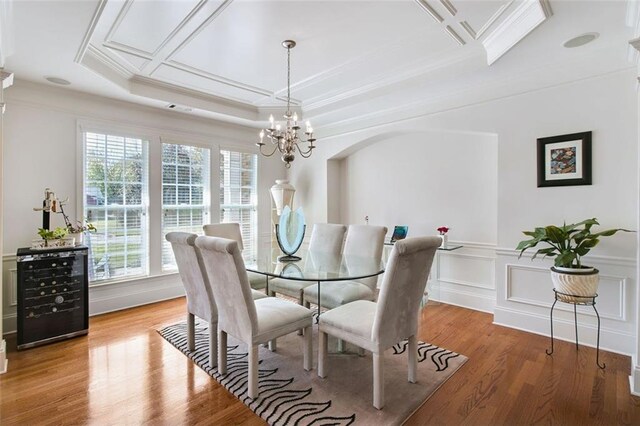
(230, 231)
(200, 300)
(327, 237)
(366, 241)
(228, 277)
(402, 288)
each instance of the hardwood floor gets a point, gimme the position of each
(123, 372)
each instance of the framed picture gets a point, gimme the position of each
(564, 160)
(399, 233)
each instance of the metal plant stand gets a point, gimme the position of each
(575, 301)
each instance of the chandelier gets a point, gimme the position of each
(286, 140)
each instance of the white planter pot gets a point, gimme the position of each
(577, 282)
(78, 237)
(445, 240)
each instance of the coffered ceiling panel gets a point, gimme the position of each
(145, 25)
(244, 42)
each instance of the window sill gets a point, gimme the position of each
(138, 279)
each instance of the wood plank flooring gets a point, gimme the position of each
(123, 372)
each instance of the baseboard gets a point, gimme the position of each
(3, 357)
(563, 329)
(466, 299)
(634, 380)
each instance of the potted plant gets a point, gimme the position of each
(51, 238)
(568, 244)
(78, 229)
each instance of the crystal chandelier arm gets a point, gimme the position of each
(307, 153)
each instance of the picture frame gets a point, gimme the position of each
(564, 160)
(399, 233)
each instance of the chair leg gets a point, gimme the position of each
(272, 293)
(191, 335)
(413, 358)
(222, 352)
(213, 344)
(307, 304)
(378, 380)
(308, 345)
(360, 351)
(322, 354)
(273, 345)
(252, 387)
(340, 345)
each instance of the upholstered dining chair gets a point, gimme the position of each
(200, 300)
(378, 326)
(325, 238)
(232, 231)
(363, 241)
(252, 322)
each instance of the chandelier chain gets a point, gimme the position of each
(288, 80)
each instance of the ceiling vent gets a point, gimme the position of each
(180, 108)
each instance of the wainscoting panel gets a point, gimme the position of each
(525, 295)
(465, 277)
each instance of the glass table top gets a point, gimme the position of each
(316, 266)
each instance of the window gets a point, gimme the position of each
(238, 196)
(185, 193)
(115, 201)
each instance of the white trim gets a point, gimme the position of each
(608, 260)
(89, 33)
(515, 27)
(3, 356)
(563, 330)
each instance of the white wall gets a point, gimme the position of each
(40, 141)
(425, 180)
(605, 105)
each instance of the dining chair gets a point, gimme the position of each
(378, 326)
(232, 231)
(325, 238)
(252, 321)
(200, 300)
(362, 241)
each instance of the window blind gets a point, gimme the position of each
(238, 196)
(115, 201)
(185, 193)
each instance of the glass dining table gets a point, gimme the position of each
(316, 267)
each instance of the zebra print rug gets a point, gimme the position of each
(289, 395)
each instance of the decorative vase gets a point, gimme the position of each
(282, 193)
(576, 284)
(445, 240)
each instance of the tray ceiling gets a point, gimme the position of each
(225, 56)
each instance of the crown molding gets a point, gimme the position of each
(385, 84)
(84, 45)
(167, 92)
(515, 27)
(632, 20)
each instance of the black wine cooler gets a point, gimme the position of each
(53, 302)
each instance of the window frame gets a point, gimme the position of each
(243, 150)
(206, 198)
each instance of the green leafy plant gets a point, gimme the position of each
(55, 234)
(80, 227)
(567, 243)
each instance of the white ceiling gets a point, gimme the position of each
(354, 59)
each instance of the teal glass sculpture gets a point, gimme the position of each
(290, 233)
